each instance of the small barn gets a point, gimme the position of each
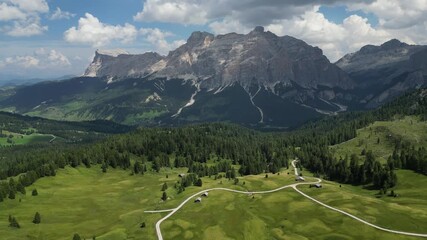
(181, 175)
(199, 199)
(318, 185)
(205, 194)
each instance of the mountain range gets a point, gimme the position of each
(257, 79)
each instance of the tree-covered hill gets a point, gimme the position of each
(208, 149)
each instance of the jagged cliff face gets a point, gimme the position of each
(119, 64)
(258, 79)
(259, 58)
(374, 57)
(386, 71)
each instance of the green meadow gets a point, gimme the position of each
(20, 139)
(111, 206)
(380, 136)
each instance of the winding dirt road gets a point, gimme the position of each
(293, 186)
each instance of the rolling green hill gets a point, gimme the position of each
(103, 188)
(381, 136)
(25, 129)
(111, 206)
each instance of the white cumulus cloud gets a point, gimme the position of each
(26, 28)
(40, 6)
(207, 11)
(92, 31)
(395, 14)
(334, 39)
(20, 61)
(40, 59)
(8, 12)
(22, 17)
(158, 39)
(405, 20)
(59, 14)
(187, 11)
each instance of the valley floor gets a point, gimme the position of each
(111, 206)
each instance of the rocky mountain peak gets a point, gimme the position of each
(370, 56)
(199, 38)
(258, 58)
(258, 29)
(111, 52)
(393, 44)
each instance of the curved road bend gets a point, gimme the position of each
(294, 186)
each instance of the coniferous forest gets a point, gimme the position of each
(225, 146)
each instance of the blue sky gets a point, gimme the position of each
(50, 38)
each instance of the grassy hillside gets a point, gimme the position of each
(110, 206)
(380, 137)
(17, 130)
(130, 101)
(10, 138)
(407, 212)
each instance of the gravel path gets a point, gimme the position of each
(294, 186)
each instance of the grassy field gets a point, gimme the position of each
(110, 206)
(19, 139)
(88, 202)
(407, 212)
(408, 128)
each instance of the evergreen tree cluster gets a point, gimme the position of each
(225, 145)
(13, 222)
(407, 156)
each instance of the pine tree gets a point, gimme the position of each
(164, 196)
(164, 187)
(137, 168)
(11, 194)
(34, 192)
(76, 237)
(236, 181)
(199, 182)
(104, 169)
(20, 188)
(14, 223)
(37, 218)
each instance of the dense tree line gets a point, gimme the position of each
(407, 156)
(225, 145)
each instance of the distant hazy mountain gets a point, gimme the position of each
(384, 72)
(11, 81)
(256, 79)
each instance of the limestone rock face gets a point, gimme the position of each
(121, 64)
(258, 58)
(386, 71)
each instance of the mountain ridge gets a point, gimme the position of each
(256, 79)
(258, 57)
(388, 70)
